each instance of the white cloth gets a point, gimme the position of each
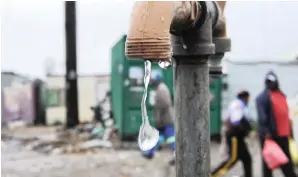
(236, 111)
(271, 78)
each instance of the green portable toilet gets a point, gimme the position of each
(127, 89)
(215, 87)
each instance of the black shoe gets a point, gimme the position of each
(159, 148)
(172, 161)
(147, 156)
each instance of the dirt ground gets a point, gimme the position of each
(17, 161)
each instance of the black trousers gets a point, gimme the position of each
(238, 150)
(287, 169)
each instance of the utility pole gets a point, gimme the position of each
(193, 47)
(71, 65)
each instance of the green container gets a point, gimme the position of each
(127, 89)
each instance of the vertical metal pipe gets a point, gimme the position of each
(192, 48)
(192, 114)
(71, 65)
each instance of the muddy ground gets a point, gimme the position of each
(18, 161)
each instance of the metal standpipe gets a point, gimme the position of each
(192, 117)
(192, 48)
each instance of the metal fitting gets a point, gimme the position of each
(194, 37)
(221, 42)
(222, 45)
(214, 64)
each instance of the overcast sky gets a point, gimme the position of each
(33, 31)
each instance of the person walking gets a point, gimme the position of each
(237, 128)
(274, 122)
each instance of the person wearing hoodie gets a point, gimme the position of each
(274, 122)
(163, 116)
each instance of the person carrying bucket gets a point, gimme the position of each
(163, 116)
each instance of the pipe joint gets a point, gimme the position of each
(194, 37)
(221, 42)
(222, 45)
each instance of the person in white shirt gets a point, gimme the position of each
(237, 128)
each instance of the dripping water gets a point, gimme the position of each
(164, 64)
(148, 135)
(183, 43)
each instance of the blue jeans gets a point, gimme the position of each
(166, 134)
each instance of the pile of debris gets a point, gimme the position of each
(85, 138)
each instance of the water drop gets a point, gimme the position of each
(148, 135)
(183, 43)
(164, 64)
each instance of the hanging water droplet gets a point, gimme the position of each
(164, 64)
(183, 43)
(148, 135)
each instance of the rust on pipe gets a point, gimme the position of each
(222, 5)
(192, 7)
(221, 30)
(221, 41)
(149, 25)
(184, 16)
(148, 35)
